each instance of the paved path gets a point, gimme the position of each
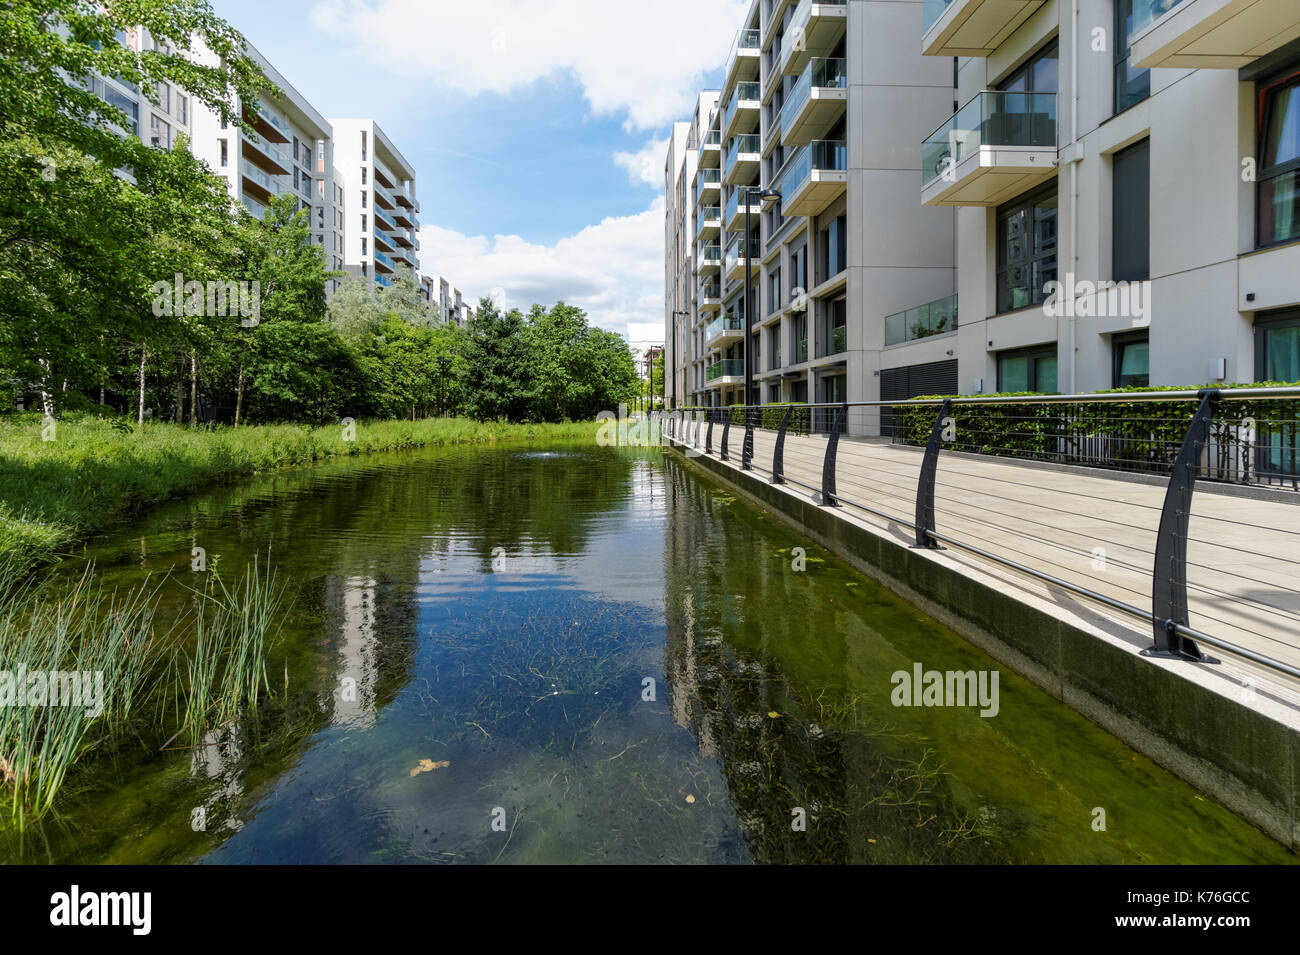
(1097, 532)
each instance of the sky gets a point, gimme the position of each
(538, 129)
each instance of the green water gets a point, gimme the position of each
(502, 611)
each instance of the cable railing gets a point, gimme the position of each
(1021, 485)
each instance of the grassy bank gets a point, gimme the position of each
(96, 472)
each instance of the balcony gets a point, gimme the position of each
(923, 321)
(405, 201)
(1219, 34)
(724, 329)
(815, 177)
(708, 222)
(970, 27)
(265, 156)
(383, 176)
(709, 183)
(816, 103)
(710, 259)
(253, 206)
(383, 241)
(403, 257)
(820, 27)
(997, 146)
(404, 219)
(383, 222)
(382, 262)
(735, 265)
(741, 114)
(711, 150)
(269, 124)
(735, 217)
(729, 371)
(405, 240)
(383, 198)
(261, 185)
(710, 297)
(742, 61)
(742, 161)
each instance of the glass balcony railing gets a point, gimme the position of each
(1146, 12)
(799, 21)
(383, 222)
(821, 72)
(820, 154)
(727, 368)
(271, 184)
(265, 147)
(709, 214)
(710, 290)
(253, 206)
(708, 177)
(747, 143)
(274, 120)
(733, 204)
(736, 252)
(933, 318)
(991, 118)
(745, 40)
(725, 323)
(747, 91)
(931, 11)
(381, 257)
(711, 253)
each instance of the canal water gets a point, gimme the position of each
(564, 653)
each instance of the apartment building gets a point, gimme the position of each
(380, 206)
(160, 124)
(446, 298)
(289, 152)
(991, 154)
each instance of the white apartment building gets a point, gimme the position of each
(446, 298)
(159, 124)
(289, 153)
(380, 206)
(944, 152)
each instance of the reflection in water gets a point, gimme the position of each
(577, 654)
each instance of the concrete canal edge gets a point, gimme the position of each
(1194, 720)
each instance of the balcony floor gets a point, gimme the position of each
(992, 175)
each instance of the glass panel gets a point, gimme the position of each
(1013, 374)
(1282, 142)
(1134, 364)
(1279, 208)
(1045, 375)
(1282, 354)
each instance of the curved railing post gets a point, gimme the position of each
(778, 456)
(1169, 576)
(726, 430)
(925, 485)
(699, 418)
(828, 465)
(747, 449)
(708, 438)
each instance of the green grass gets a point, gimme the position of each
(98, 472)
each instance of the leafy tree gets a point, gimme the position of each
(498, 373)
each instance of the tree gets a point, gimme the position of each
(498, 365)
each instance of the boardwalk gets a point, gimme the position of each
(1093, 531)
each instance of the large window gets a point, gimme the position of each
(1029, 369)
(1026, 249)
(833, 258)
(1131, 214)
(832, 337)
(1278, 215)
(800, 338)
(1039, 74)
(774, 302)
(1132, 360)
(1277, 347)
(1131, 84)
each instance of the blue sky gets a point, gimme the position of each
(536, 127)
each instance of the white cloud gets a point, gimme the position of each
(613, 270)
(646, 166)
(645, 61)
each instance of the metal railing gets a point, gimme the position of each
(1243, 436)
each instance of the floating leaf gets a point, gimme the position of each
(773, 714)
(428, 766)
(690, 798)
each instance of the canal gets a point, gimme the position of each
(565, 653)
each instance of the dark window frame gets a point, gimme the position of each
(1265, 322)
(1025, 202)
(1123, 53)
(1032, 352)
(1122, 271)
(1266, 99)
(1117, 345)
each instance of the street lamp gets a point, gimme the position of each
(750, 191)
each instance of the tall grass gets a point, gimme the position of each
(97, 471)
(209, 669)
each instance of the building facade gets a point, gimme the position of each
(379, 202)
(1110, 205)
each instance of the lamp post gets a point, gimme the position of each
(749, 193)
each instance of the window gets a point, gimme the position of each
(799, 269)
(183, 109)
(773, 394)
(1132, 355)
(832, 337)
(165, 97)
(363, 175)
(774, 302)
(363, 199)
(1131, 84)
(1029, 369)
(1037, 75)
(363, 247)
(225, 153)
(1277, 347)
(1131, 214)
(800, 337)
(160, 133)
(1278, 191)
(364, 220)
(363, 151)
(833, 258)
(1026, 249)
(775, 333)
